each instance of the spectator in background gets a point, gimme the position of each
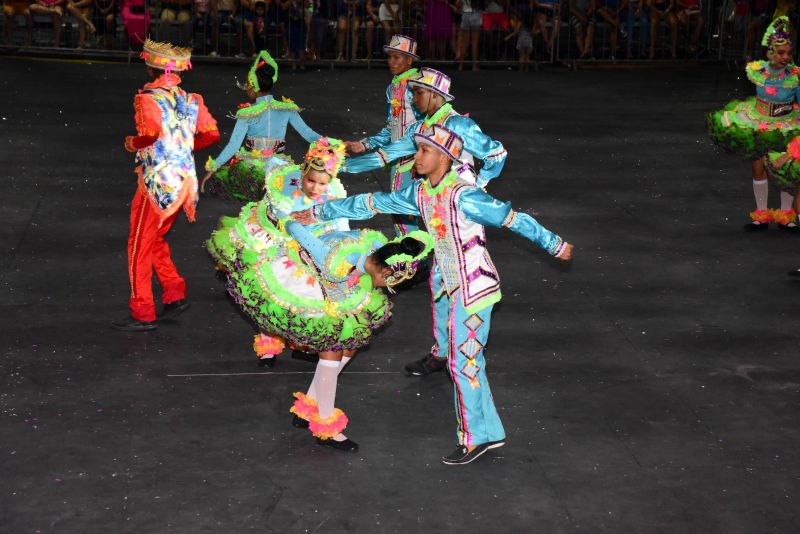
(471, 22)
(637, 13)
(82, 11)
(416, 18)
(200, 22)
(612, 11)
(261, 22)
(583, 18)
(295, 24)
(524, 44)
(105, 21)
(13, 9)
(455, 41)
(179, 11)
(760, 12)
(389, 14)
(373, 21)
(659, 10)
(53, 9)
(495, 16)
(438, 28)
(690, 13)
(545, 10)
(222, 12)
(324, 17)
(244, 22)
(351, 13)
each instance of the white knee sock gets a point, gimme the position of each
(326, 378)
(786, 201)
(761, 192)
(312, 389)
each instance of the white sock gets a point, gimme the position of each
(787, 199)
(761, 192)
(325, 379)
(312, 390)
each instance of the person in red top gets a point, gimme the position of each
(170, 125)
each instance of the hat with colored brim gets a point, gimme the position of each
(402, 45)
(447, 141)
(166, 56)
(433, 80)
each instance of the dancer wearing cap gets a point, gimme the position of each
(401, 114)
(432, 97)
(170, 124)
(464, 281)
(238, 172)
(764, 123)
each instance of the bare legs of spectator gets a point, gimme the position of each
(694, 37)
(10, 27)
(81, 10)
(248, 31)
(57, 14)
(455, 42)
(754, 30)
(672, 21)
(540, 26)
(612, 17)
(436, 48)
(354, 38)
(341, 37)
(471, 36)
(370, 37)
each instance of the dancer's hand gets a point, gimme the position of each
(354, 147)
(781, 161)
(303, 217)
(566, 253)
(208, 175)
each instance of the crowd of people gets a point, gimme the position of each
(464, 31)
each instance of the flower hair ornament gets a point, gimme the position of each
(326, 154)
(403, 265)
(777, 34)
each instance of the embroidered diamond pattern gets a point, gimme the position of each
(473, 322)
(471, 348)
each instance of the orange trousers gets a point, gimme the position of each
(148, 252)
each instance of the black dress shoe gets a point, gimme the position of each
(795, 273)
(348, 445)
(427, 365)
(267, 362)
(173, 309)
(129, 324)
(495, 444)
(462, 455)
(792, 228)
(305, 356)
(299, 422)
(755, 226)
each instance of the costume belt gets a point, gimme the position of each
(277, 146)
(774, 109)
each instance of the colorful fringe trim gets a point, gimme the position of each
(330, 427)
(784, 216)
(265, 345)
(761, 216)
(304, 407)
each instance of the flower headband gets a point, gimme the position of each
(326, 154)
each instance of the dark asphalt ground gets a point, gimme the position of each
(651, 387)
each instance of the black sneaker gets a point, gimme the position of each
(129, 324)
(348, 445)
(462, 456)
(495, 444)
(795, 273)
(173, 309)
(792, 228)
(427, 365)
(267, 362)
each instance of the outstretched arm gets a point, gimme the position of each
(481, 146)
(237, 137)
(313, 245)
(364, 206)
(302, 128)
(482, 208)
(404, 146)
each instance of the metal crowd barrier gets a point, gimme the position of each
(294, 25)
